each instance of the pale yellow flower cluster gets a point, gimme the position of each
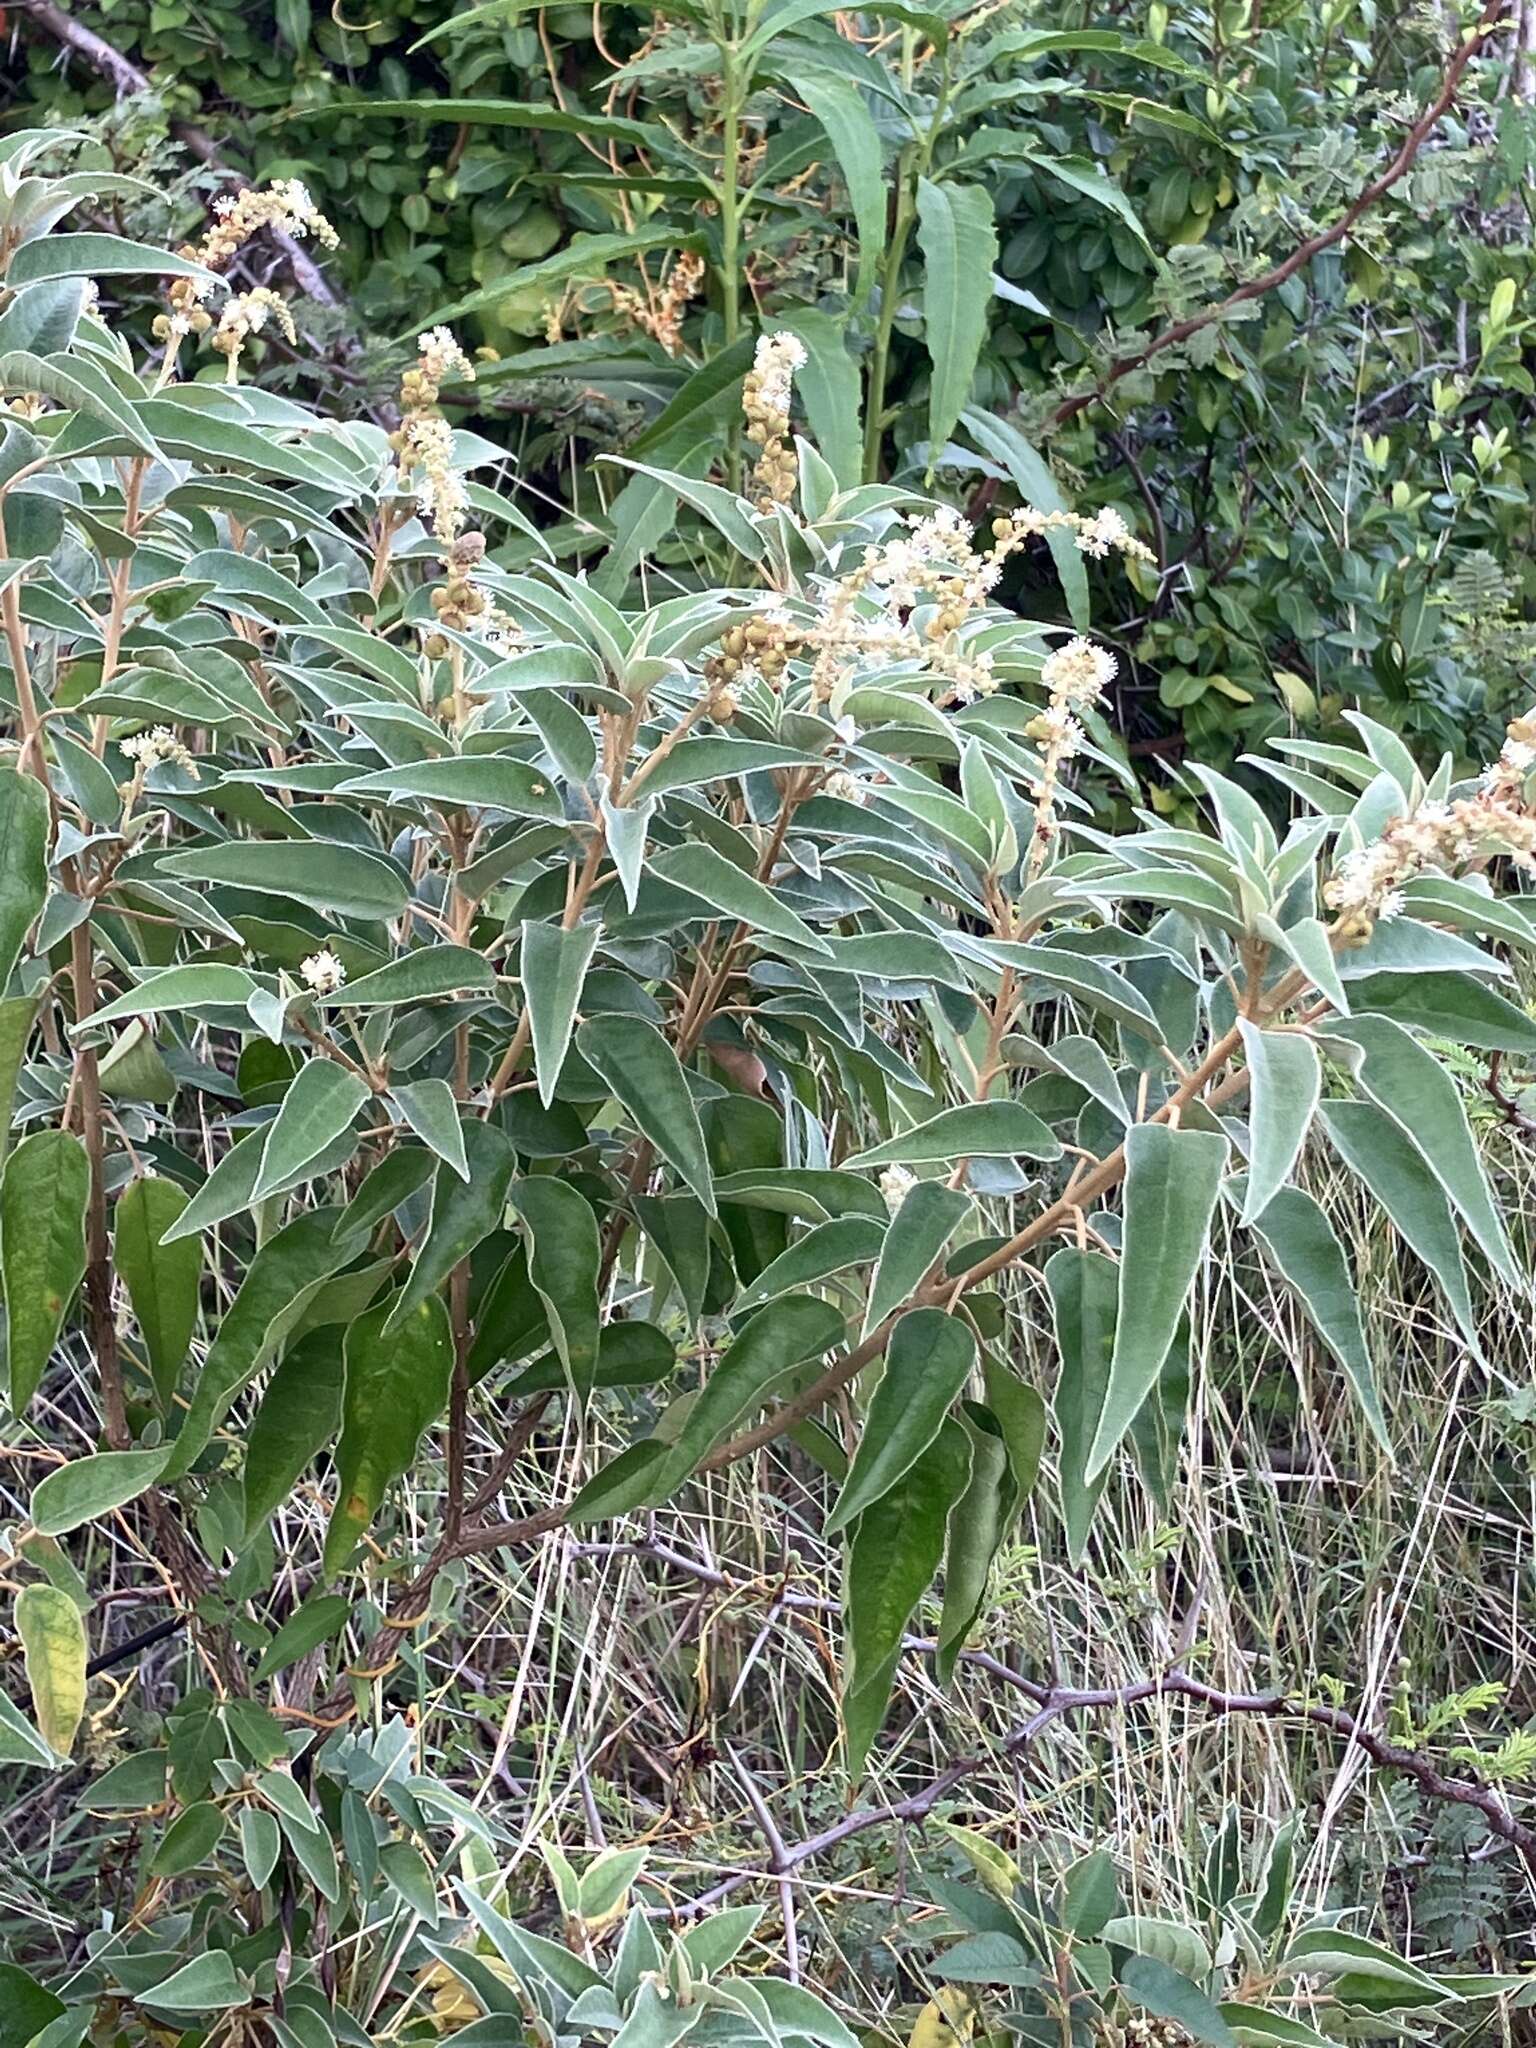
(766, 396)
(1497, 821)
(286, 207)
(423, 442)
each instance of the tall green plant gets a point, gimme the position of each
(440, 1000)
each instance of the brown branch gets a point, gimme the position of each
(1053, 1703)
(126, 79)
(1300, 257)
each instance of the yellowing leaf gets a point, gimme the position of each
(995, 1867)
(948, 2017)
(53, 1644)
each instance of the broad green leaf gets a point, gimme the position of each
(729, 891)
(322, 1616)
(162, 1280)
(190, 1839)
(639, 1065)
(1168, 1993)
(894, 1553)
(564, 1259)
(86, 1488)
(827, 1248)
(552, 966)
(976, 1130)
(415, 978)
(178, 988)
(1451, 1006)
(282, 1280)
(431, 1110)
(1395, 1175)
(24, 833)
(25, 2007)
(297, 1418)
(1087, 981)
(1285, 1081)
(43, 1198)
(320, 1104)
(463, 1211)
(475, 781)
(1084, 1288)
(261, 1844)
(97, 255)
(928, 1218)
(628, 1355)
(1019, 1413)
(1302, 1242)
(1172, 1942)
(776, 1339)
(928, 1359)
(18, 1014)
(406, 1873)
(958, 237)
(396, 1385)
(1171, 1183)
(328, 876)
(1405, 1079)
(209, 1983)
(53, 1647)
(1255, 2028)
(1335, 1952)
(850, 128)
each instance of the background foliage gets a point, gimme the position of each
(1229, 1735)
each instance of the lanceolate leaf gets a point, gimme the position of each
(978, 1524)
(344, 879)
(42, 1250)
(1084, 1289)
(432, 1111)
(320, 1104)
(463, 1212)
(552, 965)
(892, 1558)
(1171, 1183)
(1404, 1078)
(928, 1218)
(396, 1384)
(564, 1254)
(162, 1279)
(1301, 1241)
(643, 1071)
(958, 238)
(1395, 1175)
(928, 1359)
(297, 1418)
(978, 1130)
(1285, 1081)
(23, 862)
(53, 1644)
(283, 1278)
(87, 1487)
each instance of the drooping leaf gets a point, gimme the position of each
(24, 830)
(1084, 1290)
(928, 1218)
(298, 1416)
(927, 1361)
(1171, 1182)
(643, 1071)
(1395, 1175)
(43, 1199)
(162, 1279)
(282, 1280)
(894, 1553)
(1303, 1244)
(958, 237)
(431, 1110)
(1404, 1078)
(1285, 1082)
(978, 1525)
(564, 1257)
(463, 1212)
(552, 965)
(395, 1385)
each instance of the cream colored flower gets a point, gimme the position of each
(323, 972)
